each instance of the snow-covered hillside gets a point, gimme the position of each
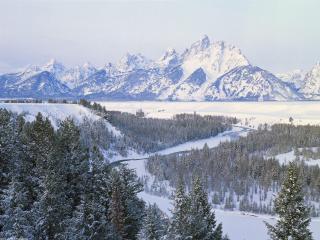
(295, 78)
(206, 71)
(54, 111)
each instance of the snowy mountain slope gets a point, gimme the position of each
(294, 78)
(76, 76)
(192, 84)
(42, 84)
(252, 83)
(311, 85)
(190, 76)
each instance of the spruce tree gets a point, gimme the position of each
(218, 232)
(193, 217)
(117, 208)
(202, 221)
(20, 198)
(134, 206)
(90, 218)
(18, 202)
(180, 213)
(126, 209)
(155, 224)
(11, 126)
(294, 216)
(64, 181)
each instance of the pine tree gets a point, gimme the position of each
(117, 208)
(90, 218)
(19, 217)
(202, 219)
(134, 206)
(155, 224)
(179, 213)
(126, 209)
(11, 126)
(19, 214)
(64, 181)
(294, 216)
(193, 217)
(76, 158)
(39, 139)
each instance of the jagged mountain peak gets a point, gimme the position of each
(53, 66)
(130, 62)
(87, 65)
(169, 58)
(311, 83)
(215, 58)
(52, 62)
(294, 77)
(201, 44)
(168, 54)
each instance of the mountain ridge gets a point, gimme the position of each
(206, 71)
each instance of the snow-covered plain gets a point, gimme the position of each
(251, 113)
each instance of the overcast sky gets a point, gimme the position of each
(277, 35)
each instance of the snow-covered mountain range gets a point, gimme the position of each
(206, 71)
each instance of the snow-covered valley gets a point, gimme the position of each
(238, 225)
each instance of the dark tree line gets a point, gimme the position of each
(238, 174)
(151, 134)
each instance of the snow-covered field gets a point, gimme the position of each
(286, 158)
(253, 113)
